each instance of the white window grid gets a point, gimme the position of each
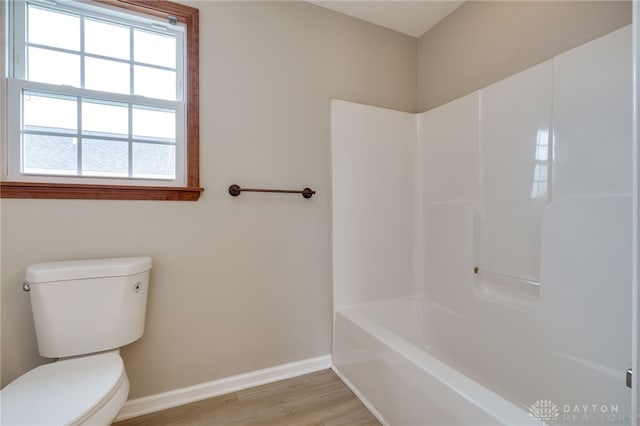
(17, 84)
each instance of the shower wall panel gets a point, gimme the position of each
(374, 209)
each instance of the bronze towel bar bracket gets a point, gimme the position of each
(235, 190)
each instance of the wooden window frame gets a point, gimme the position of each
(191, 192)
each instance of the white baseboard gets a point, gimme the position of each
(162, 401)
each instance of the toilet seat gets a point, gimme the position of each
(65, 392)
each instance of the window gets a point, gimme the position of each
(101, 100)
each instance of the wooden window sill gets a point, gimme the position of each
(71, 191)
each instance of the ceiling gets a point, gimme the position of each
(409, 17)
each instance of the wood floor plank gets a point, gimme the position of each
(315, 399)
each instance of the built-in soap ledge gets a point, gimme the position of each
(514, 292)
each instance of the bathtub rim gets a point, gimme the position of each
(475, 393)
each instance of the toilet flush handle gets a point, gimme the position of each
(26, 286)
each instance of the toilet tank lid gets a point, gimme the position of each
(89, 268)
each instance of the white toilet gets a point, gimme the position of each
(84, 311)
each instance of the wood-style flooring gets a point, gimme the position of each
(316, 399)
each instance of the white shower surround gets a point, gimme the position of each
(420, 200)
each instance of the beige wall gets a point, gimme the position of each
(238, 284)
(482, 42)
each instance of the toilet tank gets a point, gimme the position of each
(85, 306)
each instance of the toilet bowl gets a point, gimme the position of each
(89, 390)
(84, 311)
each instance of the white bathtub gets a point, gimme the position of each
(382, 351)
